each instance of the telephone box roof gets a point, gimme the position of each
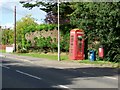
(77, 29)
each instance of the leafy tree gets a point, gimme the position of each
(52, 16)
(51, 8)
(46, 27)
(64, 10)
(100, 21)
(44, 44)
(7, 37)
(26, 24)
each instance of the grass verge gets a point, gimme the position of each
(53, 56)
(100, 63)
(2, 51)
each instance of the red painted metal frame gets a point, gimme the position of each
(76, 50)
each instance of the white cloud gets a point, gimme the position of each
(39, 22)
(8, 25)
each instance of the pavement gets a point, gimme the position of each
(50, 63)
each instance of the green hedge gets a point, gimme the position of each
(33, 28)
(46, 27)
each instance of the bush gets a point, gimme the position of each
(52, 26)
(54, 46)
(22, 51)
(46, 27)
(64, 44)
(112, 52)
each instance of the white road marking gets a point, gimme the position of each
(62, 86)
(104, 76)
(6, 67)
(28, 74)
(87, 73)
(110, 77)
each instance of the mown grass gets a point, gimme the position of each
(51, 56)
(54, 56)
(2, 51)
(100, 63)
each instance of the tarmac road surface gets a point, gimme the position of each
(20, 74)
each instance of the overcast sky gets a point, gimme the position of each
(7, 12)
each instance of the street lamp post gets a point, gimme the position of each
(58, 34)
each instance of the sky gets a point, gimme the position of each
(7, 13)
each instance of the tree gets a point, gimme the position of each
(26, 24)
(50, 7)
(7, 37)
(100, 21)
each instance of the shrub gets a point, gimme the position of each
(46, 27)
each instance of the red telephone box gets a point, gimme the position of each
(76, 50)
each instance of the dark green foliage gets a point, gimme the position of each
(7, 37)
(42, 44)
(51, 9)
(100, 21)
(65, 35)
(28, 44)
(51, 18)
(54, 47)
(52, 26)
(30, 28)
(46, 27)
(65, 28)
(46, 44)
(22, 50)
(42, 27)
(27, 24)
(64, 44)
(86, 48)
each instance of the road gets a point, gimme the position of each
(19, 74)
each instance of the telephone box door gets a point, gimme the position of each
(80, 47)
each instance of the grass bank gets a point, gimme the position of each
(2, 51)
(51, 56)
(64, 56)
(100, 63)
